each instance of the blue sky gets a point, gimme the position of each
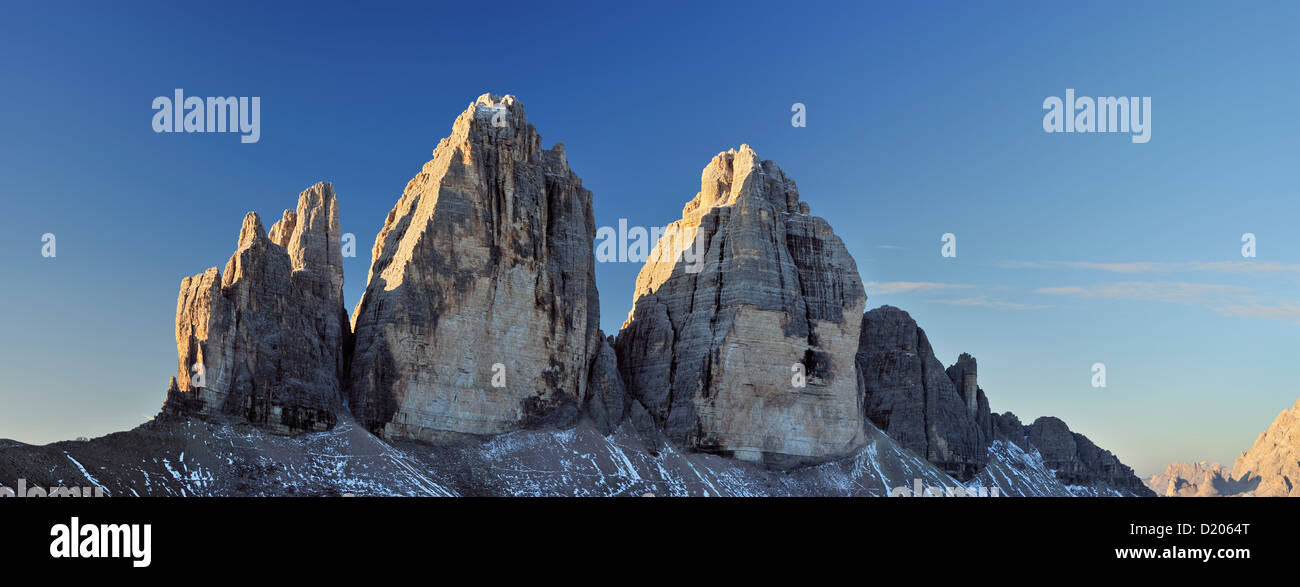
(923, 119)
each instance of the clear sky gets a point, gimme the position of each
(922, 119)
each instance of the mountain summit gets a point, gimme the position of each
(481, 313)
(751, 355)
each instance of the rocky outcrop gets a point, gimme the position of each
(1076, 460)
(1271, 468)
(264, 339)
(480, 315)
(744, 324)
(1006, 426)
(909, 395)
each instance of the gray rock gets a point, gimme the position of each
(264, 340)
(1077, 461)
(606, 401)
(1006, 426)
(963, 374)
(910, 396)
(740, 294)
(483, 270)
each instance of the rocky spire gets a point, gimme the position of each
(264, 340)
(964, 376)
(481, 314)
(744, 323)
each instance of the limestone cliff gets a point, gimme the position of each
(264, 339)
(480, 315)
(744, 323)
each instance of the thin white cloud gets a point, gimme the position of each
(1285, 312)
(897, 287)
(1246, 267)
(1229, 300)
(1241, 266)
(983, 302)
(1135, 267)
(889, 247)
(1155, 291)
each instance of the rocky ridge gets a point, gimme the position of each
(944, 415)
(1201, 479)
(473, 364)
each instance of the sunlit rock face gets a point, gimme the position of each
(1201, 479)
(745, 321)
(264, 339)
(480, 315)
(1271, 468)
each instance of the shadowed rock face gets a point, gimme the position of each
(909, 395)
(483, 268)
(963, 374)
(740, 293)
(1076, 460)
(944, 416)
(264, 340)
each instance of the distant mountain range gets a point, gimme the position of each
(474, 363)
(1271, 468)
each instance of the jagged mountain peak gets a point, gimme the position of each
(1271, 467)
(712, 342)
(480, 314)
(738, 174)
